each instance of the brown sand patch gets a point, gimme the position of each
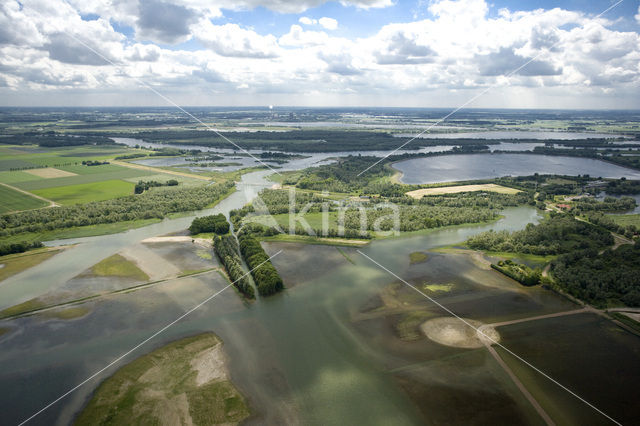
(210, 365)
(50, 173)
(451, 331)
(489, 187)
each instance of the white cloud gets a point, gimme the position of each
(328, 23)
(299, 37)
(235, 41)
(307, 21)
(461, 49)
(638, 16)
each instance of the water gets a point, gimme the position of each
(293, 355)
(462, 167)
(312, 158)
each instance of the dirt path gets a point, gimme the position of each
(519, 384)
(51, 203)
(158, 170)
(539, 317)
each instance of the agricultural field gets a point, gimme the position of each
(13, 200)
(58, 174)
(87, 192)
(489, 187)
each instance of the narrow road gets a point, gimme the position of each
(554, 315)
(51, 203)
(158, 170)
(518, 383)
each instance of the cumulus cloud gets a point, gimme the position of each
(164, 22)
(299, 37)
(462, 47)
(324, 22)
(340, 63)
(235, 41)
(328, 23)
(505, 61)
(307, 21)
(404, 50)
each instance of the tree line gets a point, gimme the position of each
(142, 186)
(149, 205)
(560, 233)
(18, 247)
(264, 274)
(226, 248)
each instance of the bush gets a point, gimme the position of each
(216, 223)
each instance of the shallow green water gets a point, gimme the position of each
(295, 355)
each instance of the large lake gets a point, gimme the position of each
(447, 168)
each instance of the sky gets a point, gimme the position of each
(396, 53)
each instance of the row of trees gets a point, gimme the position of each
(19, 247)
(214, 223)
(609, 204)
(521, 273)
(142, 186)
(415, 218)
(226, 248)
(152, 204)
(264, 274)
(560, 233)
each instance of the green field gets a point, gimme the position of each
(626, 219)
(96, 176)
(13, 200)
(15, 263)
(87, 192)
(118, 266)
(313, 219)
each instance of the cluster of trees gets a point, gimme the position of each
(609, 204)
(610, 278)
(606, 222)
(130, 156)
(94, 163)
(521, 273)
(278, 201)
(310, 140)
(214, 223)
(623, 187)
(19, 247)
(152, 204)
(53, 140)
(226, 248)
(142, 186)
(264, 273)
(560, 233)
(415, 218)
(344, 175)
